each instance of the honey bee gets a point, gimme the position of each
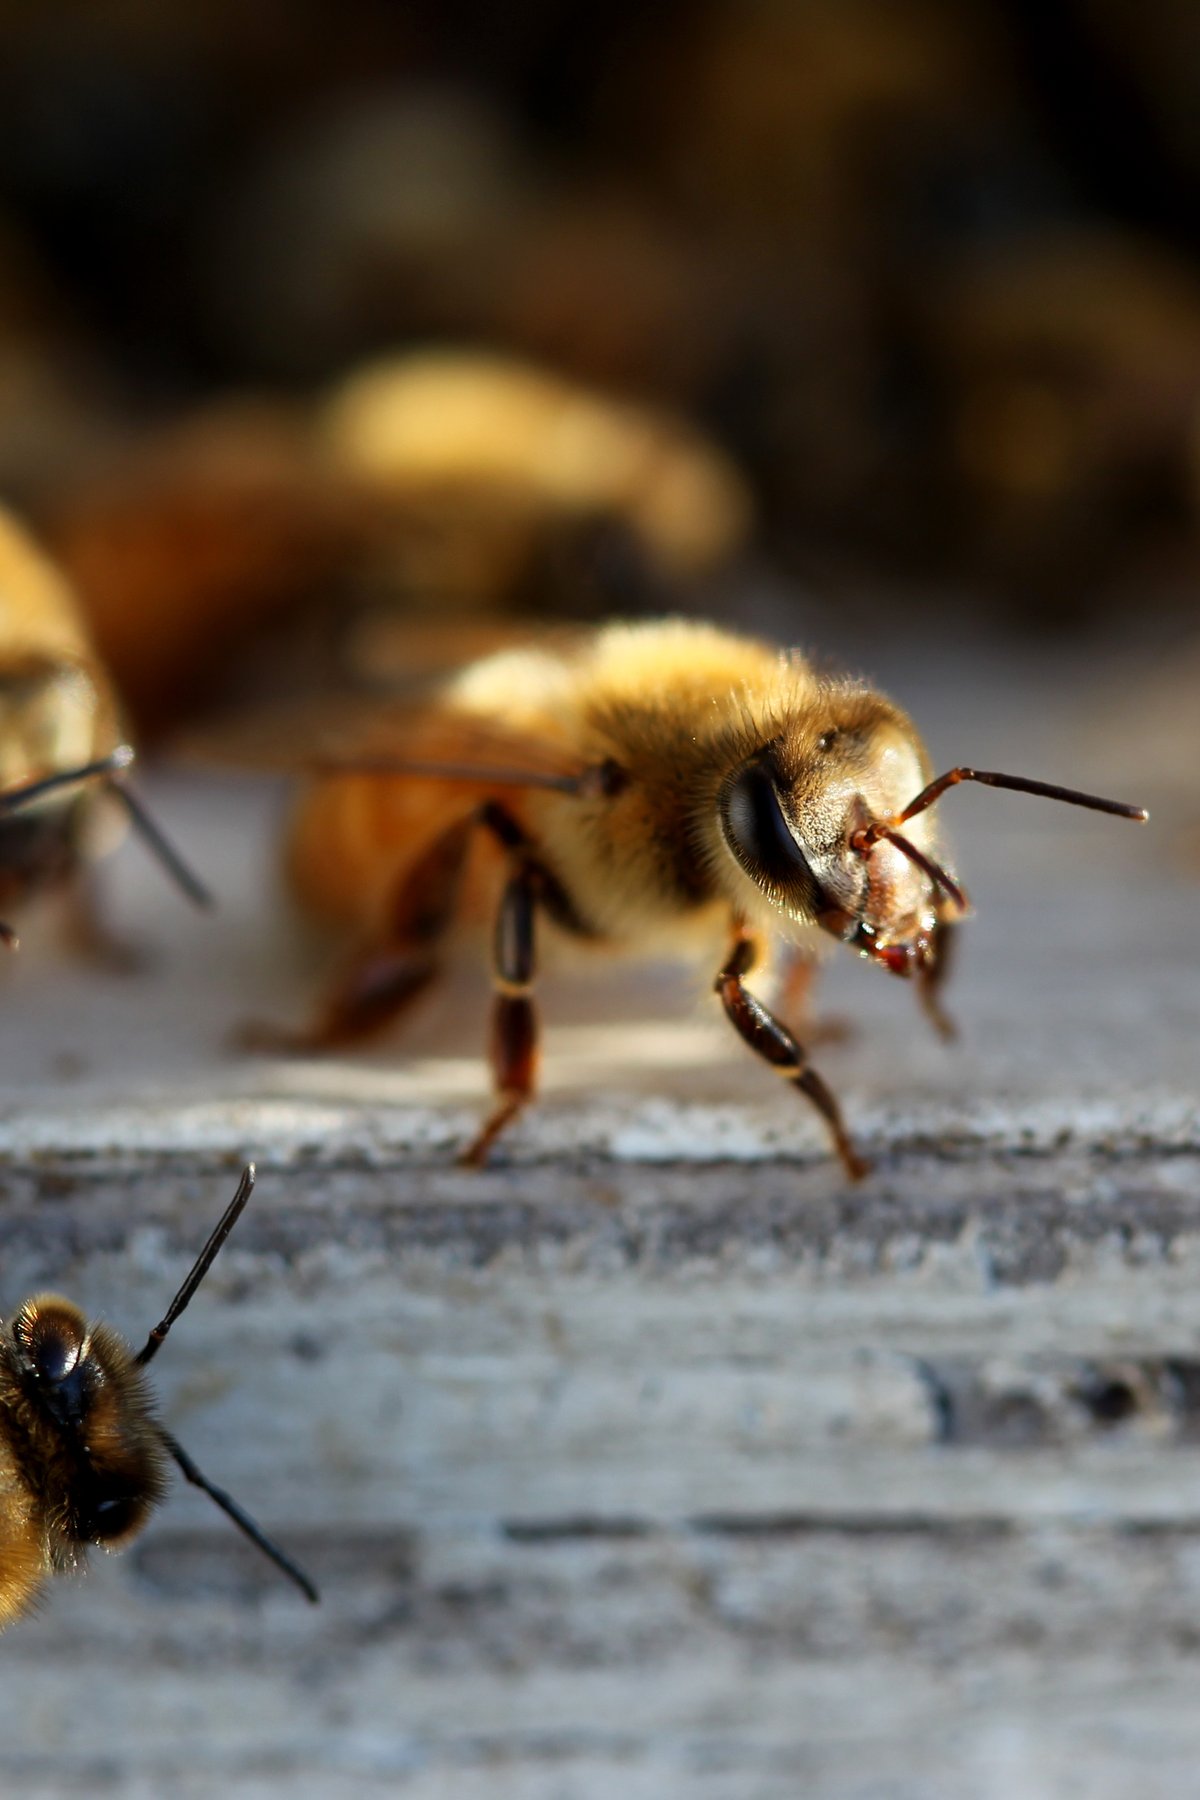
(83, 1455)
(486, 482)
(201, 545)
(60, 735)
(657, 780)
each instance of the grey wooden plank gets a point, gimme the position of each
(653, 1460)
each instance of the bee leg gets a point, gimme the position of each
(388, 971)
(776, 1045)
(794, 997)
(514, 1040)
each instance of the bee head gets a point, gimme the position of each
(47, 717)
(796, 816)
(83, 1384)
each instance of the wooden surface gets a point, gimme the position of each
(654, 1461)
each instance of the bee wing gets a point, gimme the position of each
(440, 744)
(367, 737)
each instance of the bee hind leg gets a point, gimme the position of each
(514, 1033)
(369, 993)
(388, 971)
(768, 1038)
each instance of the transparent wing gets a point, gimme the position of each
(367, 736)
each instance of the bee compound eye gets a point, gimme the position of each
(112, 1517)
(757, 831)
(52, 1341)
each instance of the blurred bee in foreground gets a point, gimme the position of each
(59, 733)
(83, 1457)
(660, 780)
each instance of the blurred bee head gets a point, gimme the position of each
(48, 711)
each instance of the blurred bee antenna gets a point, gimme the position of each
(30, 791)
(157, 843)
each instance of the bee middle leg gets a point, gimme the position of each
(793, 996)
(771, 1040)
(514, 1036)
(387, 972)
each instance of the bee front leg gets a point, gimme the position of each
(771, 1040)
(514, 1037)
(931, 974)
(388, 971)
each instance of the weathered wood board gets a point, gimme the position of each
(654, 1461)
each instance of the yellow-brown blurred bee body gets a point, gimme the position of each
(84, 1458)
(481, 455)
(59, 736)
(57, 713)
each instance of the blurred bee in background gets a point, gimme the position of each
(662, 782)
(83, 1456)
(60, 734)
(199, 542)
(491, 490)
(30, 793)
(249, 542)
(454, 439)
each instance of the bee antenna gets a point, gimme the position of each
(105, 767)
(200, 1267)
(226, 1502)
(110, 769)
(155, 839)
(242, 1520)
(863, 840)
(1019, 785)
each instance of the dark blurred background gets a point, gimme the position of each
(925, 271)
